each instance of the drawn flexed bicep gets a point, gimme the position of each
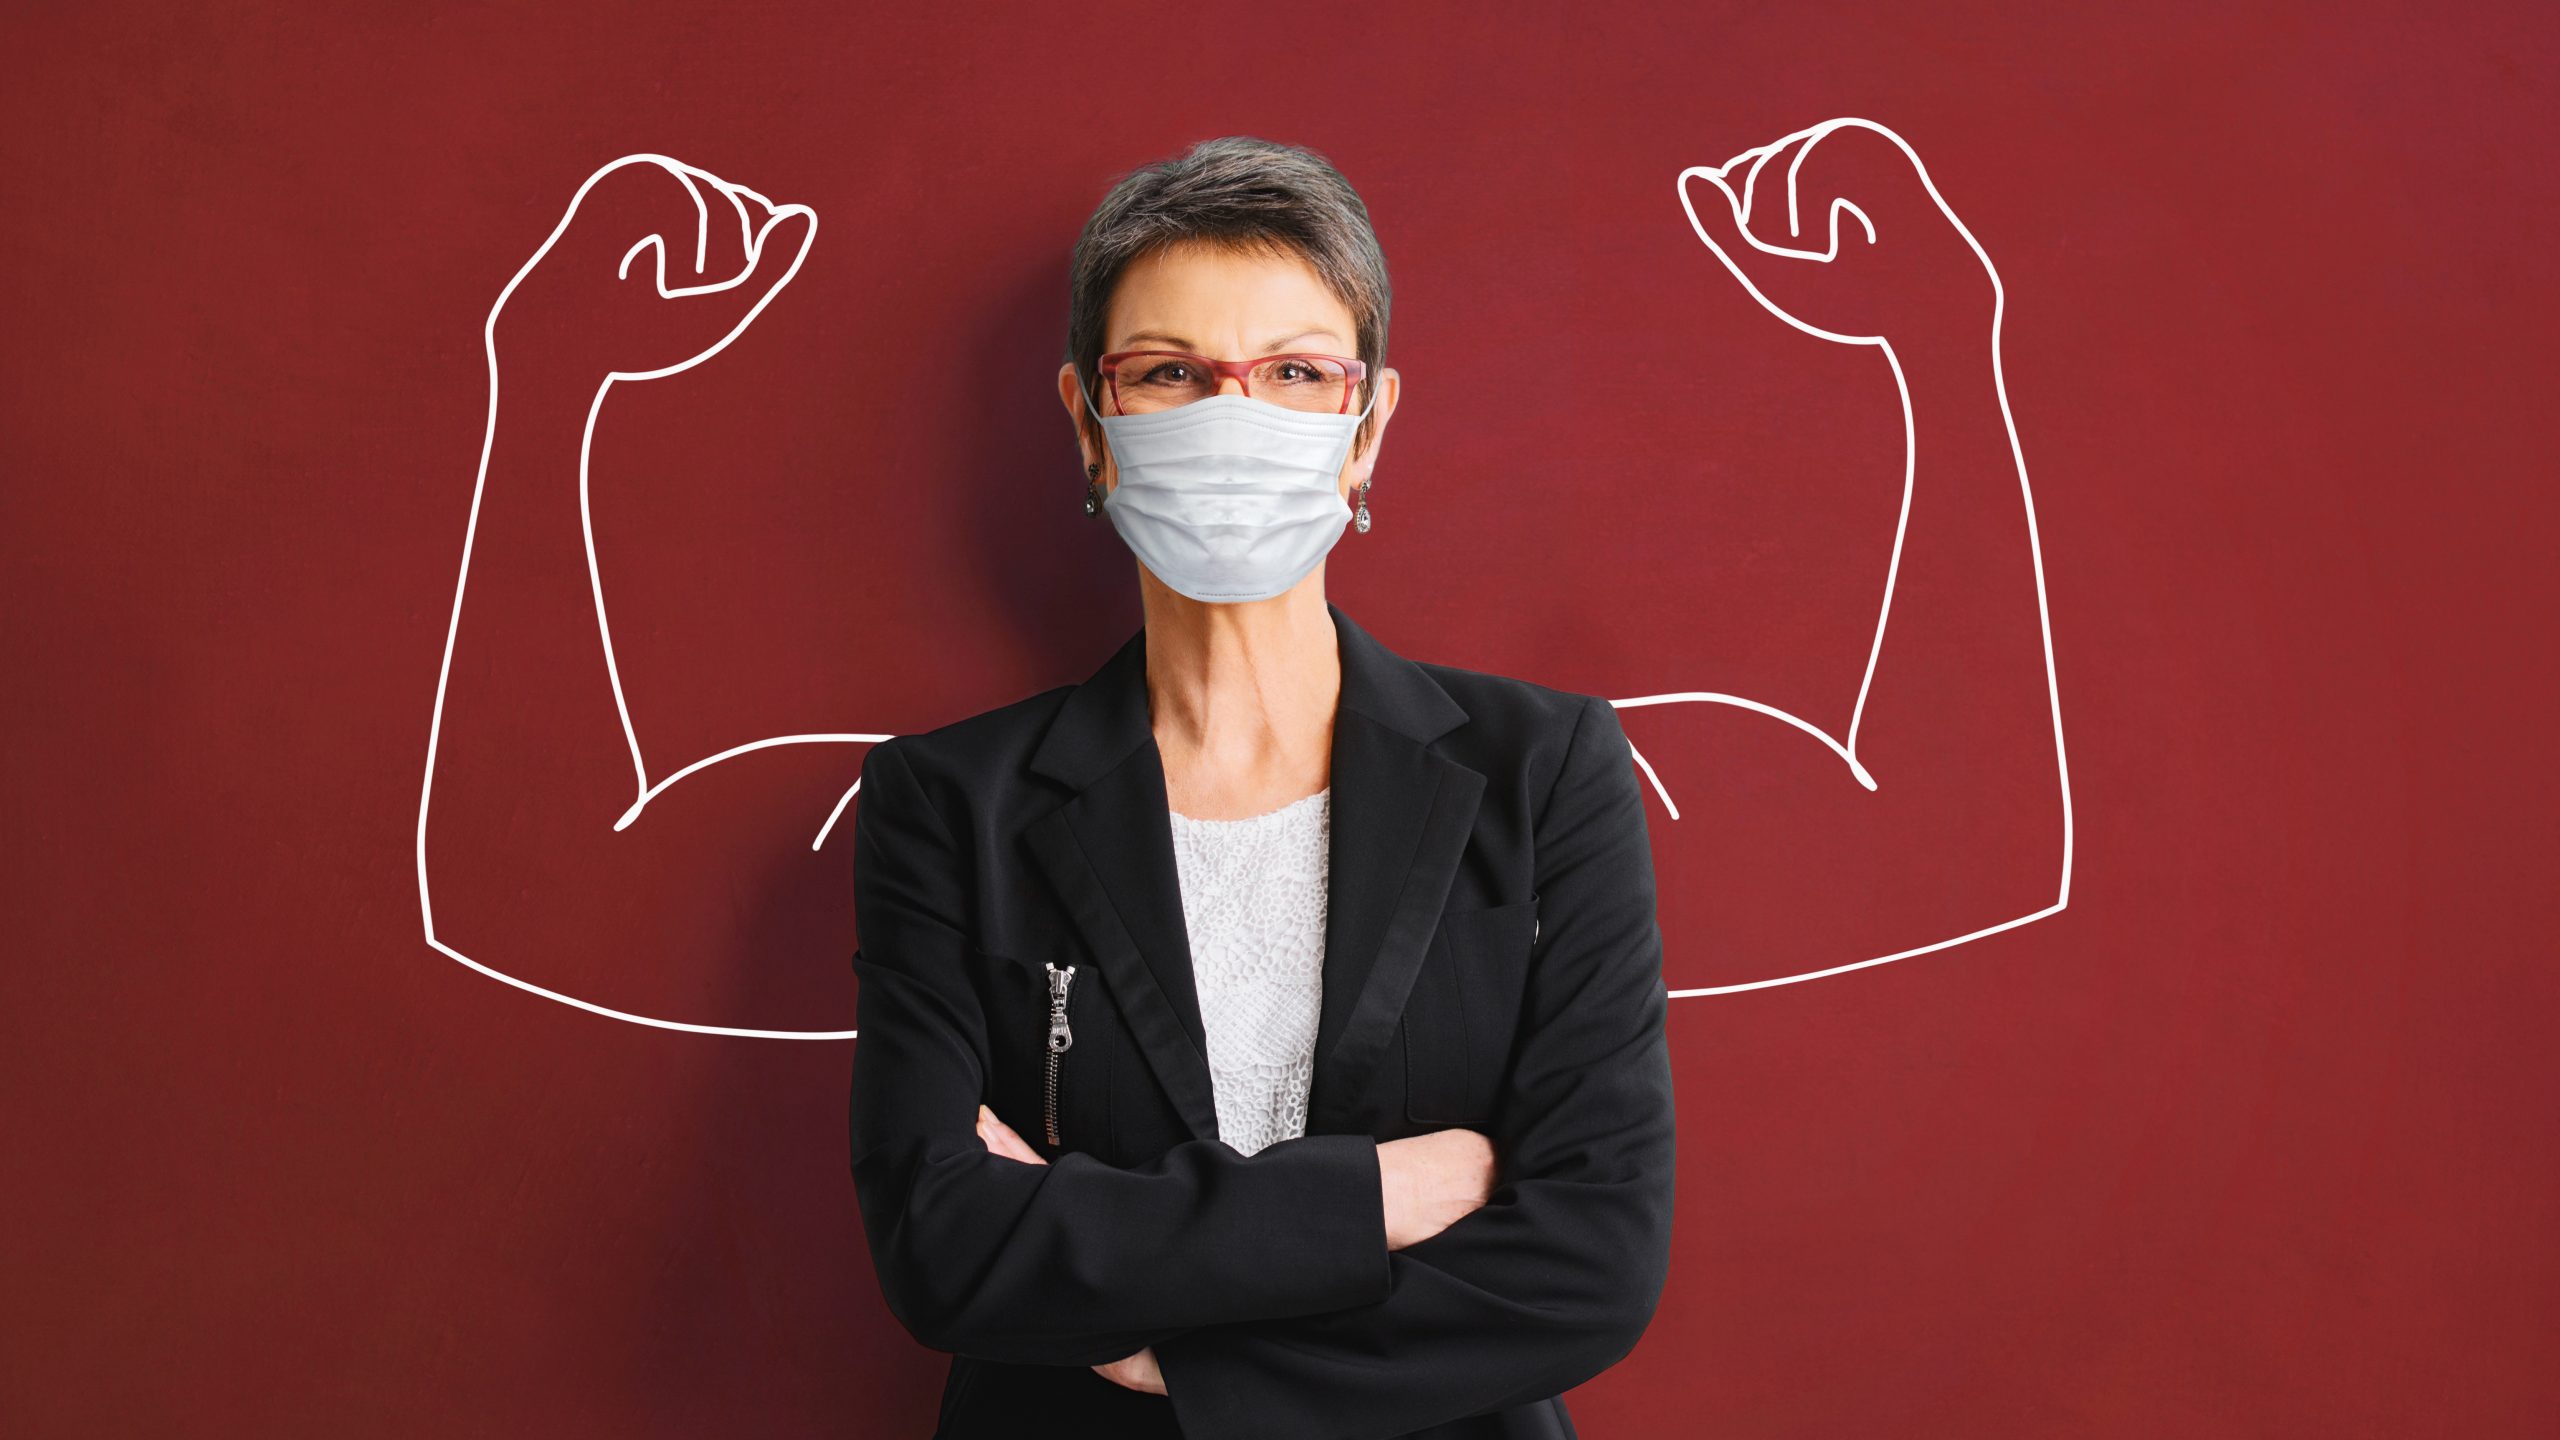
(1953, 798)
(655, 267)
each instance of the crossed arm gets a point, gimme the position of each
(1075, 1261)
(1263, 1282)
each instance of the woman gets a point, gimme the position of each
(1264, 1037)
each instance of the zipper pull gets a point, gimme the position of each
(1060, 1037)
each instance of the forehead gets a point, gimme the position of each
(1216, 299)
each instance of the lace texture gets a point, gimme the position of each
(1254, 895)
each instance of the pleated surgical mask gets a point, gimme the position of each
(1229, 498)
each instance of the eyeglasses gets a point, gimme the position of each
(1144, 380)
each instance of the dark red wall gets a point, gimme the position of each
(2254, 1139)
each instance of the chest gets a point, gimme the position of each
(1064, 1045)
(1105, 945)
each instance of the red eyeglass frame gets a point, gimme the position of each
(1242, 370)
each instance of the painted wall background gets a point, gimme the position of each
(2254, 1139)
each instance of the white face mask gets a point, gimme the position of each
(1229, 498)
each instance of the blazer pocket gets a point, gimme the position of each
(1464, 1012)
(1051, 1056)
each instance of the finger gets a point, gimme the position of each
(722, 248)
(1786, 279)
(725, 240)
(701, 235)
(1715, 208)
(1768, 188)
(1820, 178)
(1002, 1139)
(692, 236)
(1012, 1142)
(727, 308)
(647, 197)
(771, 256)
(780, 241)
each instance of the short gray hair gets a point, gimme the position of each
(1248, 194)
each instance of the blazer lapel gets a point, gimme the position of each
(1108, 852)
(1401, 815)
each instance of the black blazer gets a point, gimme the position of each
(1491, 961)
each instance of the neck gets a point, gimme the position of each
(1242, 696)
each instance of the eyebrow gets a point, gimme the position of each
(1163, 337)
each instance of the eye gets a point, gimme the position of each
(1165, 372)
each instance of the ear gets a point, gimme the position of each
(1091, 450)
(1390, 387)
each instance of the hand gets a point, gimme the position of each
(1838, 230)
(655, 268)
(999, 1137)
(1432, 1181)
(1138, 1372)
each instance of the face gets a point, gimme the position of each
(1228, 306)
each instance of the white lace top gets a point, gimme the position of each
(1253, 898)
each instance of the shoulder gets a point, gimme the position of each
(945, 760)
(1526, 731)
(1510, 705)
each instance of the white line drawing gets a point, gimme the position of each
(746, 205)
(752, 237)
(1802, 142)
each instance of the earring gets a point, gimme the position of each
(1092, 491)
(1360, 517)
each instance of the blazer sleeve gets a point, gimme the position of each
(1074, 1262)
(1554, 1279)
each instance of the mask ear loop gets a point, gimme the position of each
(1365, 409)
(1360, 513)
(1094, 498)
(1373, 401)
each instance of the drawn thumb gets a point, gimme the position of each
(783, 244)
(1715, 213)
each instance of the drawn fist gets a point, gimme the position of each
(1838, 231)
(655, 268)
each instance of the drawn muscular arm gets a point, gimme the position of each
(1950, 816)
(533, 763)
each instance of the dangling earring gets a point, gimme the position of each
(1092, 491)
(1360, 517)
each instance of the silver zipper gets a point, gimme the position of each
(1060, 1037)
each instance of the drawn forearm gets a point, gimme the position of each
(1959, 677)
(527, 696)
